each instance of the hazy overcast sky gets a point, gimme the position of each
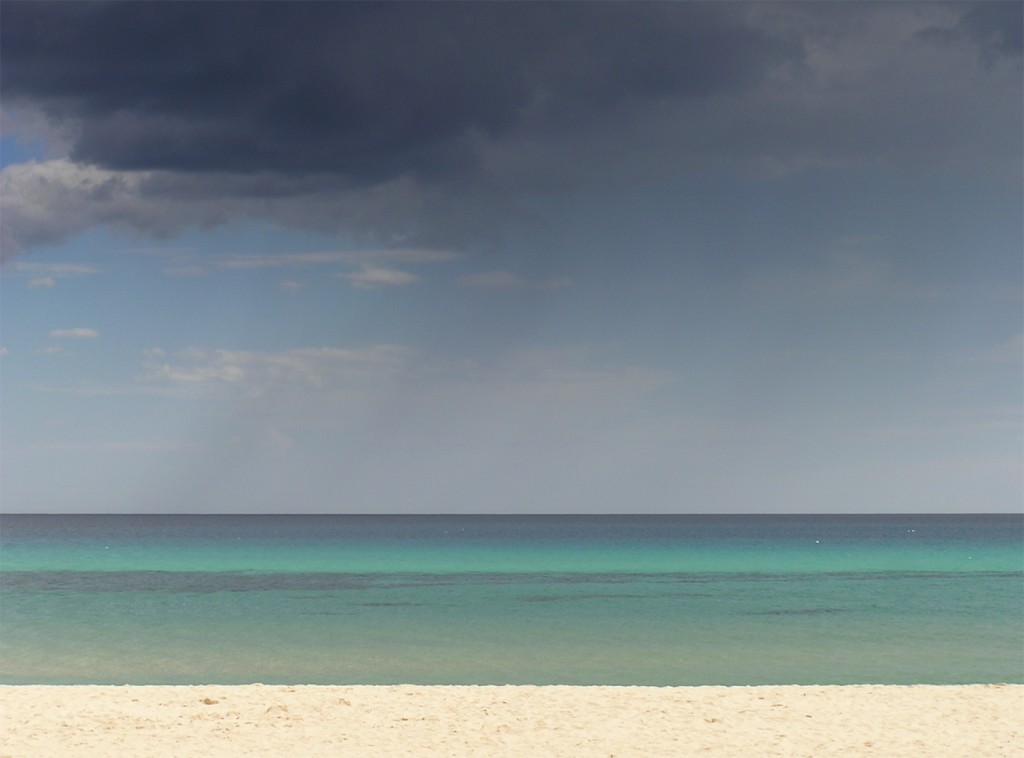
(511, 257)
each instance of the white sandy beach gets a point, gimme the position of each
(975, 720)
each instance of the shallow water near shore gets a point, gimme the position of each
(661, 600)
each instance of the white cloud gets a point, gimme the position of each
(508, 280)
(48, 201)
(55, 269)
(255, 372)
(218, 371)
(48, 274)
(79, 332)
(371, 272)
(374, 276)
(365, 257)
(394, 395)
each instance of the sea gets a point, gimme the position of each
(523, 599)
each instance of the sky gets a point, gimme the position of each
(511, 257)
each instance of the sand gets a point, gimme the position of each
(975, 720)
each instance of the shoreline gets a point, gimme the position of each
(512, 720)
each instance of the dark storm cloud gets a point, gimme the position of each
(368, 90)
(441, 122)
(998, 26)
(995, 28)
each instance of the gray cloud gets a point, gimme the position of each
(47, 275)
(997, 28)
(367, 90)
(429, 123)
(370, 277)
(78, 332)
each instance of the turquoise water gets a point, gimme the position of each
(517, 599)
